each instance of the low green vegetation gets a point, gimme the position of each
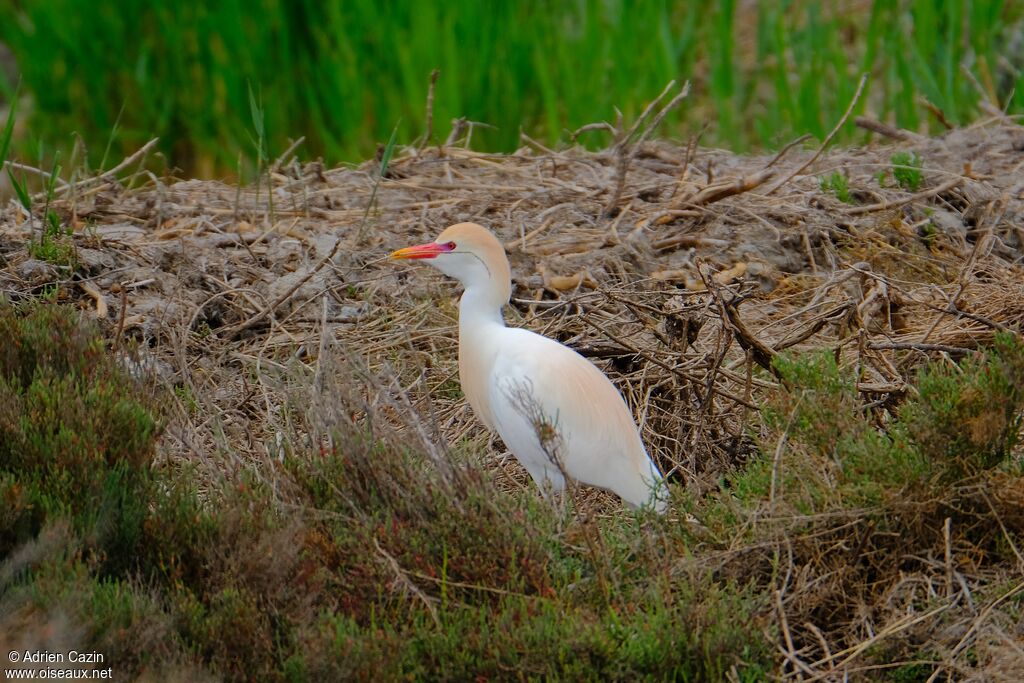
(76, 436)
(53, 243)
(837, 184)
(906, 170)
(967, 419)
(848, 488)
(366, 556)
(342, 74)
(960, 422)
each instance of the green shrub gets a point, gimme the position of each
(968, 418)
(960, 421)
(858, 498)
(544, 640)
(76, 434)
(833, 455)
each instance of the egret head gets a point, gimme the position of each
(472, 255)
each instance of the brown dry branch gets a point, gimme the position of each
(628, 142)
(45, 175)
(757, 350)
(888, 131)
(97, 295)
(939, 115)
(709, 195)
(286, 155)
(109, 177)
(428, 126)
(895, 204)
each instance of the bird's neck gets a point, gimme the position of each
(478, 310)
(480, 325)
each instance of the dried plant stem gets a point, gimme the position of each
(895, 204)
(828, 138)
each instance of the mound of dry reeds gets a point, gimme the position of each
(683, 272)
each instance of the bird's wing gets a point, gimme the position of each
(541, 391)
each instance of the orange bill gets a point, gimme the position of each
(428, 250)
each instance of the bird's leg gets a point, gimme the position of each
(560, 502)
(554, 479)
(554, 495)
(552, 487)
(549, 481)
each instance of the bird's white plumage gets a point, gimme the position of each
(538, 384)
(556, 411)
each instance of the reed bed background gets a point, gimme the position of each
(343, 75)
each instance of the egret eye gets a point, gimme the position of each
(449, 246)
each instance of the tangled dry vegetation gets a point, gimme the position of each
(821, 349)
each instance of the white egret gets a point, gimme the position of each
(556, 411)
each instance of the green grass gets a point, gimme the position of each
(342, 74)
(960, 421)
(52, 241)
(839, 185)
(906, 169)
(912, 479)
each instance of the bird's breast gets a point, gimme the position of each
(475, 363)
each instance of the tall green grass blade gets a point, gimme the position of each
(723, 70)
(257, 113)
(21, 191)
(389, 151)
(112, 137)
(385, 160)
(51, 181)
(5, 139)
